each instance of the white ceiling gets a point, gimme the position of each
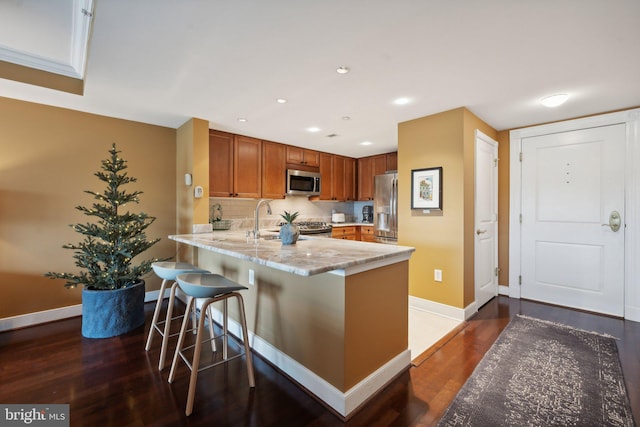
(165, 61)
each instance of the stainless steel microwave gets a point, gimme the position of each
(303, 183)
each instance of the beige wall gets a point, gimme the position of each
(330, 324)
(49, 156)
(192, 156)
(443, 239)
(503, 207)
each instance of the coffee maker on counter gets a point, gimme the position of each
(367, 213)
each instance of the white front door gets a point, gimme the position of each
(572, 190)
(486, 219)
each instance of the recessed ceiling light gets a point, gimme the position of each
(342, 70)
(401, 101)
(366, 143)
(346, 118)
(242, 119)
(554, 100)
(281, 101)
(313, 129)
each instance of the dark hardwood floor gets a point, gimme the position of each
(114, 382)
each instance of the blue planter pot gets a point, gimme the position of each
(111, 313)
(289, 234)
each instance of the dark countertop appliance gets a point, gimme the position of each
(367, 213)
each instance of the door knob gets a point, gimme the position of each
(479, 232)
(614, 221)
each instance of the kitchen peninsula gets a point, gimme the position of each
(331, 314)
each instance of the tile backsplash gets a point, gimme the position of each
(241, 211)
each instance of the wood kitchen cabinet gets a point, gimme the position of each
(368, 167)
(366, 233)
(302, 156)
(326, 173)
(274, 170)
(344, 233)
(235, 165)
(349, 179)
(337, 177)
(392, 161)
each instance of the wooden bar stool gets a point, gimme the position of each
(168, 271)
(214, 288)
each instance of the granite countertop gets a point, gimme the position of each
(309, 256)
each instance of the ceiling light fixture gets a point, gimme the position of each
(342, 70)
(313, 129)
(401, 101)
(554, 100)
(346, 118)
(242, 119)
(366, 143)
(281, 101)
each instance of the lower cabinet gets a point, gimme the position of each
(366, 233)
(345, 233)
(354, 232)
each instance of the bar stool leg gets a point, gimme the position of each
(211, 332)
(183, 331)
(167, 326)
(245, 340)
(156, 314)
(225, 329)
(195, 363)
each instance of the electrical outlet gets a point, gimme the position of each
(437, 275)
(252, 278)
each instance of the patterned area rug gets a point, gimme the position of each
(538, 373)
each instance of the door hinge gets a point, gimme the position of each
(520, 218)
(519, 280)
(495, 163)
(497, 270)
(521, 156)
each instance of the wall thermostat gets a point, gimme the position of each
(197, 192)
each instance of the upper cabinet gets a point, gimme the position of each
(240, 166)
(349, 179)
(235, 165)
(392, 161)
(338, 177)
(326, 173)
(368, 167)
(302, 157)
(274, 170)
(220, 164)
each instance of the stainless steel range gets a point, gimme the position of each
(317, 228)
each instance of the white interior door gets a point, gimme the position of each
(572, 187)
(486, 219)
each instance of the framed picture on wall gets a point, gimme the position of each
(426, 188)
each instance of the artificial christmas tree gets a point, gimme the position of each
(113, 293)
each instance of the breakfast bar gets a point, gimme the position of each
(331, 314)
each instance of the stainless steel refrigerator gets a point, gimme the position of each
(385, 208)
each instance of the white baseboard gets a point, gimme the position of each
(342, 402)
(503, 290)
(31, 319)
(45, 316)
(455, 313)
(632, 313)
